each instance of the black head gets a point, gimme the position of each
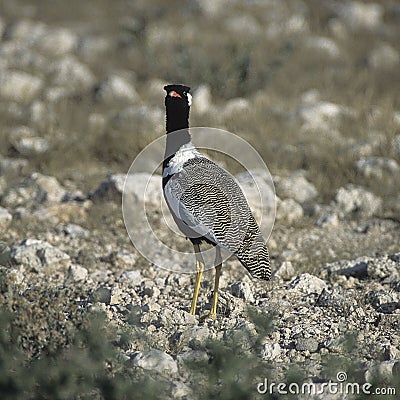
(178, 95)
(177, 103)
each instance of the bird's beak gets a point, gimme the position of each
(174, 94)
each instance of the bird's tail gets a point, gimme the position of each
(255, 259)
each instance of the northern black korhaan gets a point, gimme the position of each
(205, 201)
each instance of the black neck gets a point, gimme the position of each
(177, 117)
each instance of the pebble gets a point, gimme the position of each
(40, 256)
(357, 200)
(156, 360)
(76, 273)
(308, 284)
(5, 219)
(296, 187)
(242, 290)
(19, 86)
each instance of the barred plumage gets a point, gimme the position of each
(205, 201)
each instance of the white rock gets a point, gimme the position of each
(181, 391)
(69, 72)
(384, 57)
(308, 284)
(15, 166)
(242, 290)
(134, 277)
(156, 360)
(285, 270)
(289, 211)
(39, 256)
(143, 118)
(19, 86)
(143, 186)
(324, 45)
(377, 167)
(50, 187)
(57, 42)
(27, 143)
(5, 219)
(357, 15)
(396, 145)
(328, 220)
(117, 88)
(296, 187)
(236, 106)
(321, 115)
(271, 351)
(76, 273)
(202, 100)
(356, 200)
(124, 259)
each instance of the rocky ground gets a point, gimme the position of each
(311, 85)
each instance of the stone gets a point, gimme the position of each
(289, 211)
(40, 256)
(308, 284)
(76, 231)
(242, 290)
(383, 301)
(156, 360)
(142, 186)
(171, 316)
(383, 57)
(271, 351)
(5, 254)
(12, 166)
(142, 117)
(328, 221)
(134, 277)
(323, 45)
(70, 73)
(285, 270)
(307, 344)
(5, 219)
(124, 259)
(358, 15)
(50, 188)
(181, 391)
(321, 115)
(18, 86)
(202, 100)
(58, 42)
(24, 140)
(101, 295)
(356, 200)
(76, 273)
(377, 167)
(117, 88)
(235, 106)
(296, 187)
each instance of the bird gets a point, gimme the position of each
(205, 201)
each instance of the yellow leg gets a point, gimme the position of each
(218, 267)
(199, 269)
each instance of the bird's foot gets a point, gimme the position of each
(212, 315)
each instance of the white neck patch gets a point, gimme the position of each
(189, 97)
(185, 153)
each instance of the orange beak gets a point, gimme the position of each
(175, 94)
